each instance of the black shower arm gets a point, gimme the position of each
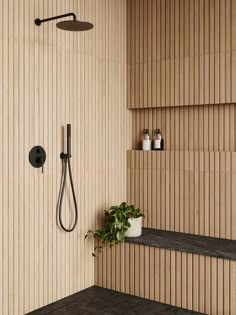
(38, 21)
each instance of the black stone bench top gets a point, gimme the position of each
(189, 243)
(100, 301)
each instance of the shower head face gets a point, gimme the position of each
(74, 26)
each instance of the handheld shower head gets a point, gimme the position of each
(68, 25)
(69, 139)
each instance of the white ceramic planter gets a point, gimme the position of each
(135, 230)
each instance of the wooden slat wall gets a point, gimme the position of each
(181, 78)
(204, 284)
(181, 52)
(185, 191)
(49, 78)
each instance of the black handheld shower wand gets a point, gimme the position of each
(69, 139)
(66, 159)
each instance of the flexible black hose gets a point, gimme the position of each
(62, 194)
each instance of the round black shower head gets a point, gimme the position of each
(69, 25)
(74, 26)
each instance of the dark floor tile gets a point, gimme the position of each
(100, 301)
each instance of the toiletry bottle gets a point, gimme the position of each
(157, 142)
(147, 143)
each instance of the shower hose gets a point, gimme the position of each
(66, 159)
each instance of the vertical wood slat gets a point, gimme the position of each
(50, 78)
(192, 63)
(199, 283)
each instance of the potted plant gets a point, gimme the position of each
(120, 222)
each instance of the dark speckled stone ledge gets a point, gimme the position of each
(189, 243)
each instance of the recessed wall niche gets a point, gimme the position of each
(189, 128)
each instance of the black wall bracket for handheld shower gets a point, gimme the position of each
(38, 21)
(64, 156)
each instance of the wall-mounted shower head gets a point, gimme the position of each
(75, 26)
(68, 25)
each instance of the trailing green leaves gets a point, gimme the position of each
(117, 224)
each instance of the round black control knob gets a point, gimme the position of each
(37, 156)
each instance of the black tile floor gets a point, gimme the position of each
(99, 301)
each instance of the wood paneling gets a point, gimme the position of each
(190, 281)
(185, 191)
(181, 78)
(181, 52)
(49, 78)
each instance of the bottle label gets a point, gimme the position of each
(147, 145)
(157, 144)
